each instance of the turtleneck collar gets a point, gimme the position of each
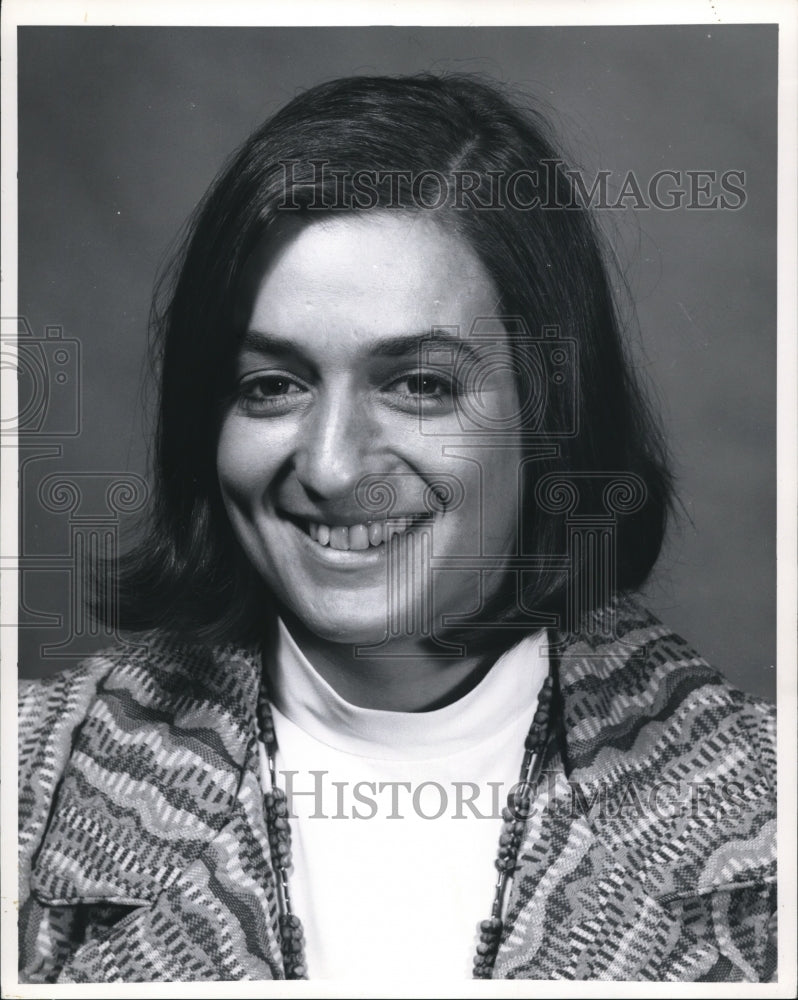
(508, 691)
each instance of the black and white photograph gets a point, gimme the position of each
(398, 516)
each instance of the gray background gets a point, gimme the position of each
(122, 129)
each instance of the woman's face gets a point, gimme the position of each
(356, 363)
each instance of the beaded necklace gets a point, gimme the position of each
(514, 817)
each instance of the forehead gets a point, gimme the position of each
(344, 279)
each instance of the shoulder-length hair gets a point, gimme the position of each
(458, 147)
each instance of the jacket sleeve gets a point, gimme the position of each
(739, 918)
(751, 914)
(752, 938)
(49, 714)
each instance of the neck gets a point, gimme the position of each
(404, 678)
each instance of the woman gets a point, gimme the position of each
(387, 653)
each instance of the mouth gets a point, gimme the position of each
(358, 537)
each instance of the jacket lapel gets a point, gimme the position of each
(576, 911)
(160, 812)
(618, 864)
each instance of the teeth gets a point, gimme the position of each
(358, 537)
(339, 538)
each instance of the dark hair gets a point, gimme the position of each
(486, 168)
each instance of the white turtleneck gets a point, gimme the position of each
(394, 847)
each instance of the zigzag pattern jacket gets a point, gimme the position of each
(650, 853)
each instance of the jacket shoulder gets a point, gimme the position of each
(691, 757)
(50, 713)
(626, 673)
(51, 710)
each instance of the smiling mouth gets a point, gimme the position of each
(359, 537)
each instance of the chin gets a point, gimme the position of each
(350, 629)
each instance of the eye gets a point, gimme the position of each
(272, 393)
(427, 391)
(425, 385)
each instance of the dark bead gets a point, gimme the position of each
(541, 717)
(484, 949)
(491, 924)
(505, 838)
(532, 741)
(523, 808)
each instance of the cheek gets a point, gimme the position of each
(245, 461)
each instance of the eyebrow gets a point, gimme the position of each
(389, 347)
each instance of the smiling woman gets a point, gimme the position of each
(406, 485)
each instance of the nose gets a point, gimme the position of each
(336, 441)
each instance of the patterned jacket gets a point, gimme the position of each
(649, 855)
